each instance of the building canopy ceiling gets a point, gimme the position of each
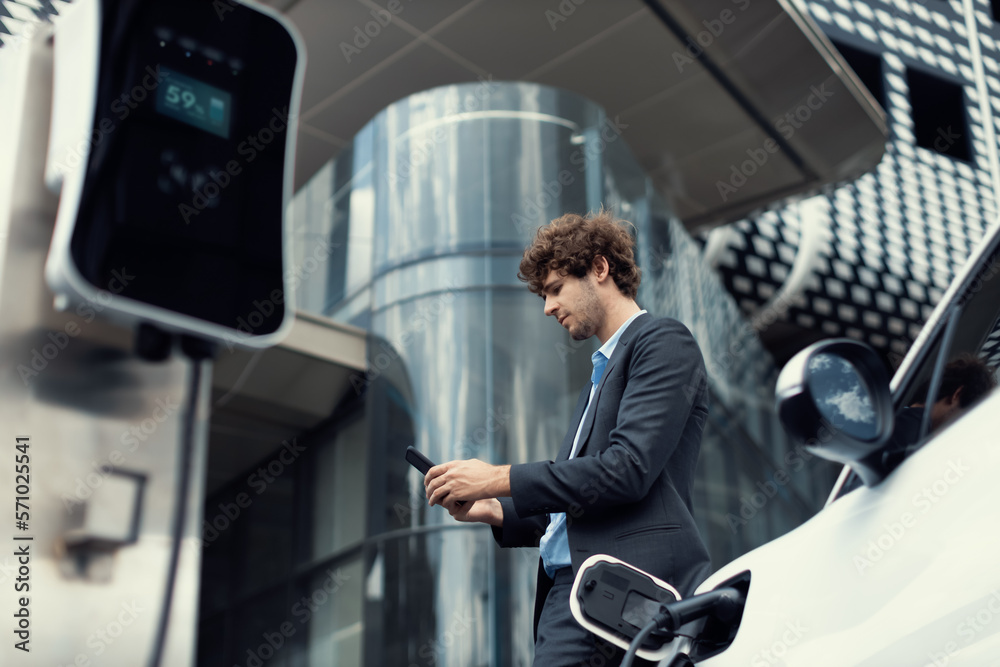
(728, 104)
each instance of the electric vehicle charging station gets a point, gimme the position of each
(190, 109)
(151, 172)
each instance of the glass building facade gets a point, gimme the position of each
(424, 218)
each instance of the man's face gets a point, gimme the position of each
(574, 303)
(944, 410)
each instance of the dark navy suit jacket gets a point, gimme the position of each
(627, 493)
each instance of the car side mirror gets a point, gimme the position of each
(833, 397)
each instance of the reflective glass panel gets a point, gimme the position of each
(842, 396)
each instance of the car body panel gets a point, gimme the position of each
(904, 573)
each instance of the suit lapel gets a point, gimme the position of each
(620, 351)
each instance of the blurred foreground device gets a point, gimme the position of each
(615, 601)
(634, 610)
(172, 140)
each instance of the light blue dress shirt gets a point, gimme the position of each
(554, 545)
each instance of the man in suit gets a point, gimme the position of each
(621, 482)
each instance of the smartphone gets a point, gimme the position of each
(418, 460)
(422, 463)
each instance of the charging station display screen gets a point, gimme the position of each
(194, 102)
(184, 191)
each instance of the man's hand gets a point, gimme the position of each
(482, 511)
(465, 480)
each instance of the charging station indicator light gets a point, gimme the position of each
(194, 102)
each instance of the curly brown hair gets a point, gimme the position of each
(968, 372)
(570, 244)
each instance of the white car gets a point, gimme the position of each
(902, 565)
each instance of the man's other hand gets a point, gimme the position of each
(467, 480)
(481, 511)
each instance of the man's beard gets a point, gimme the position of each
(589, 313)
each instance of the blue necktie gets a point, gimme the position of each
(600, 362)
